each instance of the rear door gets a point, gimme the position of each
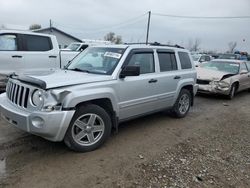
(11, 56)
(168, 77)
(39, 52)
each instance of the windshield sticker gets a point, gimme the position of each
(113, 54)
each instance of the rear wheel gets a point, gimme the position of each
(182, 104)
(89, 128)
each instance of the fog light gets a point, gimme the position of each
(37, 122)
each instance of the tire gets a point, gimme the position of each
(89, 128)
(182, 104)
(232, 91)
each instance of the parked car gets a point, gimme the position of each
(225, 77)
(25, 51)
(229, 56)
(80, 46)
(103, 86)
(199, 58)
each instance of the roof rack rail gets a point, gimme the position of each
(157, 44)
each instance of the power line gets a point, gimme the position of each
(201, 17)
(121, 24)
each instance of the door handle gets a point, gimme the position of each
(152, 81)
(52, 56)
(17, 56)
(177, 77)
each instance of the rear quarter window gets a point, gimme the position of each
(185, 60)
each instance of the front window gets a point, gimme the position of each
(228, 67)
(97, 60)
(8, 42)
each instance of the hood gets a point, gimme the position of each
(207, 74)
(59, 78)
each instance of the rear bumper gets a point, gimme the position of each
(49, 125)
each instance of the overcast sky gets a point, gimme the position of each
(92, 19)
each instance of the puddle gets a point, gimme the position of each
(2, 168)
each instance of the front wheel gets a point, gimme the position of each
(232, 92)
(182, 104)
(89, 128)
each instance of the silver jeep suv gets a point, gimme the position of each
(100, 88)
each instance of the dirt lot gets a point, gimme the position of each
(208, 148)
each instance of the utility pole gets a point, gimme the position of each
(50, 25)
(149, 17)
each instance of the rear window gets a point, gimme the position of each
(185, 60)
(167, 61)
(37, 43)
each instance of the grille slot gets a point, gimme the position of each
(18, 94)
(203, 82)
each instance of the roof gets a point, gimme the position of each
(58, 30)
(28, 32)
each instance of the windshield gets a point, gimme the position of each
(73, 47)
(97, 60)
(196, 57)
(228, 67)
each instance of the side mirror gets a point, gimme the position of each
(130, 71)
(243, 72)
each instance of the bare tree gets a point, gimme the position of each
(232, 45)
(2, 26)
(113, 38)
(35, 26)
(194, 45)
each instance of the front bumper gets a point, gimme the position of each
(213, 89)
(49, 125)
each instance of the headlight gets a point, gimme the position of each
(222, 84)
(37, 98)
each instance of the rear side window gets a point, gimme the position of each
(8, 42)
(37, 43)
(167, 61)
(185, 60)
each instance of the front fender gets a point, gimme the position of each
(76, 97)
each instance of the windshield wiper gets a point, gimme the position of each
(80, 70)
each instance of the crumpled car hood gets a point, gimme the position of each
(207, 74)
(59, 78)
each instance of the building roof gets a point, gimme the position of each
(58, 30)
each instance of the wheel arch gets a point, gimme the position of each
(106, 104)
(190, 88)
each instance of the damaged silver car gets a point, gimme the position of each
(224, 77)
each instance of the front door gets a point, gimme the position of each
(139, 94)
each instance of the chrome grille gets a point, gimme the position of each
(17, 94)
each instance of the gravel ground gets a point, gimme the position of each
(208, 148)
